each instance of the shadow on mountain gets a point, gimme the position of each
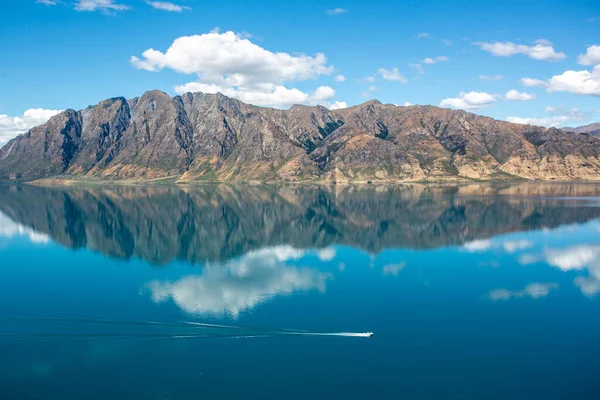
(218, 222)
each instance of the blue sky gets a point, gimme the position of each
(60, 54)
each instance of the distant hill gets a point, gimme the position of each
(591, 129)
(211, 137)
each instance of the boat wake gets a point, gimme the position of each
(185, 330)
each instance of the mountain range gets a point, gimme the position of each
(591, 129)
(213, 138)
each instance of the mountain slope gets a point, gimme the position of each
(210, 137)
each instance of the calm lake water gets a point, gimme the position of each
(473, 292)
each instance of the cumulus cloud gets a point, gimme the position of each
(541, 50)
(340, 78)
(11, 127)
(392, 75)
(47, 2)
(337, 105)
(491, 77)
(578, 82)
(535, 290)
(591, 57)
(530, 82)
(232, 64)
(518, 96)
(268, 95)
(337, 11)
(167, 6)
(437, 59)
(469, 101)
(10, 229)
(559, 116)
(100, 5)
(240, 285)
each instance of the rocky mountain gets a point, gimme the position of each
(210, 137)
(207, 223)
(590, 129)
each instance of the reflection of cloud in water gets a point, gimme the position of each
(511, 246)
(477, 246)
(393, 269)
(9, 229)
(240, 285)
(534, 290)
(574, 258)
(326, 254)
(578, 258)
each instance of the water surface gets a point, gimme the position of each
(473, 291)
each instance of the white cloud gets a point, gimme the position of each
(447, 42)
(423, 35)
(337, 11)
(469, 101)
(267, 95)
(511, 246)
(336, 105)
(542, 50)
(368, 79)
(240, 285)
(418, 67)
(559, 116)
(47, 2)
(393, 269)
(231, 64)
(11, 127)
(167, 6)
(407, 104)
(9, 229)
(591, 57)
(535, 290)
(477, 246)
(578, 82)
(437, 59)
(340, 78)
(530, 82)
(518, 96)
(547, 122)
(100, 5)
(392, 75)
(491, 77)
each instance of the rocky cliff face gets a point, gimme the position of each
(206, 137)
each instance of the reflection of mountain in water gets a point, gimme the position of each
(160, 224)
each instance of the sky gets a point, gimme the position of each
(532, 62)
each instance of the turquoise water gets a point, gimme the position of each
(472, 292)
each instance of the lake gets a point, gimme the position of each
(475, 291)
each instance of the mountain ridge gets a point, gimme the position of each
(198, 137)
